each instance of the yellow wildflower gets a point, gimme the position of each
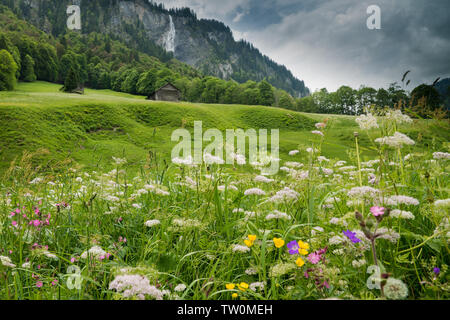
(230, 286)
(299, 262)
(278, 242)
(234, 295)
(303, 252)
(248, 243)
(303, 245)
(243, 286)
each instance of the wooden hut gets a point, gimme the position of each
(168, 92)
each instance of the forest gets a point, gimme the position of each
(101, 61)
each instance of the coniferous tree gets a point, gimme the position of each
(27, 73)
(71, 81)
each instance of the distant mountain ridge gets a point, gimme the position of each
(443, 87)
(207, 45)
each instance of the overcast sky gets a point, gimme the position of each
(327, 43)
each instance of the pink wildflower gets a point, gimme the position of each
(377, 211)
(39, 284)
(314, 257)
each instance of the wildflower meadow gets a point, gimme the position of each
(318, 229)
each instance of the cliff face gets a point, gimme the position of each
(208, 45)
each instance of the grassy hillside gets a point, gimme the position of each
(91, 128)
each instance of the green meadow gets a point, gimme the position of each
(89, 129)
(93, 208)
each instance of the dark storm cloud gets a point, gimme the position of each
(327, 43)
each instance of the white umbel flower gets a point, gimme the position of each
(441, 155)
(95, 252)
(367, 121)
(401, 214)
(254, 191)
(396, 200)
(285, 194)
(398, 116)
(263, 179)
(240, 248)
(6, 261)
(442, 203)
(395, 141)
(278, 215)
(134, 285)
(152, 223)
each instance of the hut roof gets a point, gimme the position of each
(167, 84)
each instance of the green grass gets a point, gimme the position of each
(191, 226)
(93, 127)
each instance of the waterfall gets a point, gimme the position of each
(170, 37)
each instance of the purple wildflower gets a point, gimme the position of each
(293, 247)
(351, 236)
(436, 270)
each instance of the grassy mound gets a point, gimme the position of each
(93, 127)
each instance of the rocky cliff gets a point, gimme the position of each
(208, 45)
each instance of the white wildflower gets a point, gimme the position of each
(135, 286)
(365, 191)
(210, 159)
(6, 261)
(119, 161)
(398, 116)
(285, 194)
(340, 163)
(395, 141)
(441, 155)
(188, 161)
(442, 203)
(388, 234)
(180, 288)
(263, 179)
(396, 200)
(401, 214)
(278, 215)
(95, 252)
(240, 248)
(336, 240)
(320, 125)
(254, 191)
(293, 164)
(320, 133)
(152, 223)
(256, 286)
(358, 263)
(367, 121)
(251, 271)
(36, 181)
(395, 289)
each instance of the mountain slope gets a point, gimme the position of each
(208, 45)
(443, 87)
